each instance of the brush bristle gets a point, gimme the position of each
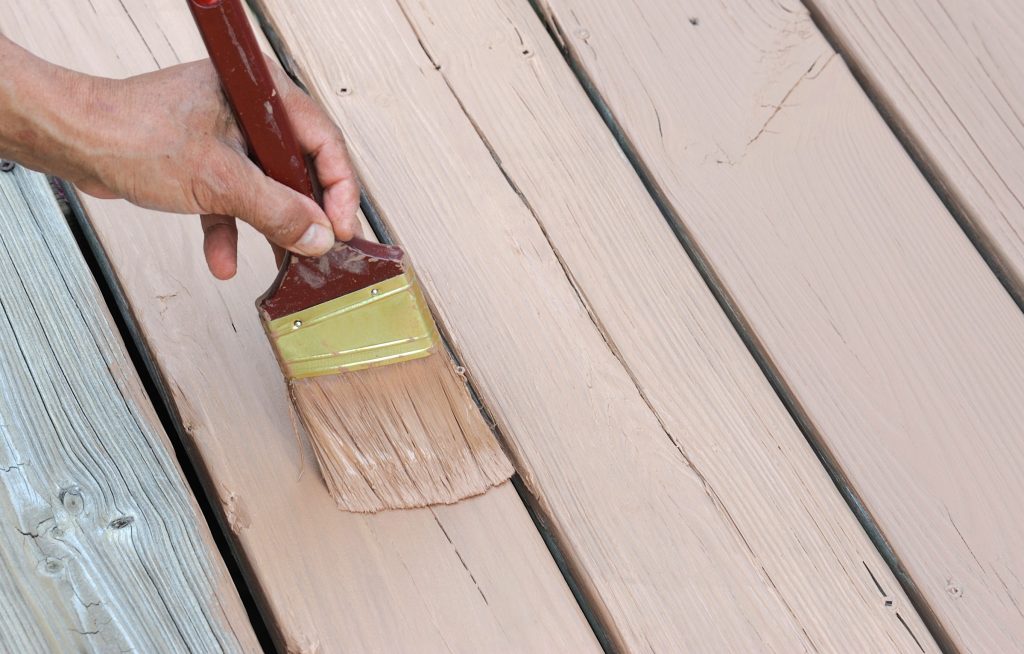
(399, 436)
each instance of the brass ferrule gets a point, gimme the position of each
(385, 323)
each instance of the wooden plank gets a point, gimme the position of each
(946, 72)
(887, 332)
(103, 546)
(468, 578)
(706, 524)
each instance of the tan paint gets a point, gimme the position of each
(887, 329)
(691, 509)
(946, 71)
(399, 436)
(397, 581)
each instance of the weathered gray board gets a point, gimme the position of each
(102, 547)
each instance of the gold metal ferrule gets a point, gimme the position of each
(386, 323)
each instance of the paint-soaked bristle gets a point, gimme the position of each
(399, 436)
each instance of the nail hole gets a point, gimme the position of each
(694, 21)
(344, 91)
(122, 522)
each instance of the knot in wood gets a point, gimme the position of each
(51, 567)
(71, 498)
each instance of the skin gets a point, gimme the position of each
(167, 141)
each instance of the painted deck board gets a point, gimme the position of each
(103, 547)
(470, 578)
(948, 73)
(692, 511)
(892, 339)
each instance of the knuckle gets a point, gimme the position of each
(283, 216)
(285, 232)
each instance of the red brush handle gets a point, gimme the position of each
(249, 87)
(250, 91)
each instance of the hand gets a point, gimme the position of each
(167, 141)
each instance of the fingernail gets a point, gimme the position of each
(315, 241)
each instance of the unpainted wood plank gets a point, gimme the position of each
(948, 73)
(890, 336)
(103, 546)
(475, 577)
(705, 524)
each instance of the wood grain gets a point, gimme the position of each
(468, 578)
(886, 330)
(692, 510)
(946, 71)
(103, 546)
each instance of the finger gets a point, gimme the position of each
(358, 231)
(321, 138)
(285, 217)
(279, 253)
(220, 244)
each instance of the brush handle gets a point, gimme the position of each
(249, 87)
(250, 91)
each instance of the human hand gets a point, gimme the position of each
(167, 140)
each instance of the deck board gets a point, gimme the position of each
(476, 577)
(947, 73)
(103, 547)
(705, 524)
(888, 334)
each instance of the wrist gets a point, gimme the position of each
(46, 116)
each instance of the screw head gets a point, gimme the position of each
(6, 166)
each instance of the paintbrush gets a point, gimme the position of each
(390, 419)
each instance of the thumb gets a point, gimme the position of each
(287, 218)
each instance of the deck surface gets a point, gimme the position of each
(740, 305)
